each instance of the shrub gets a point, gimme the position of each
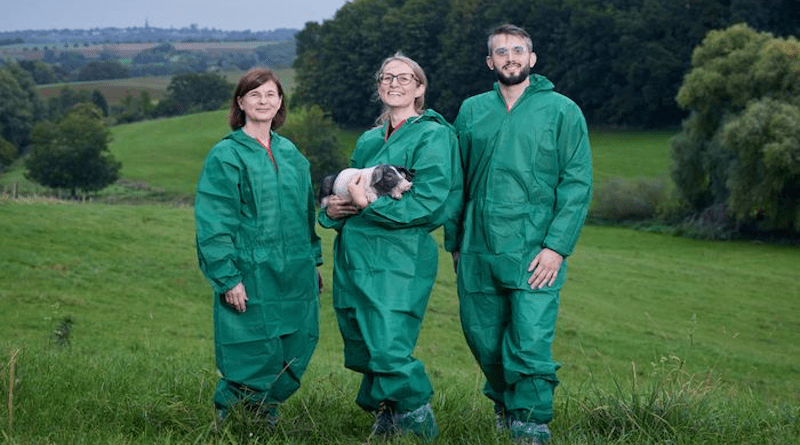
(620, 199)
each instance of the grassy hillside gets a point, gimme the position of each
(107, 325)
(715, 325)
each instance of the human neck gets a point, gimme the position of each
(513, 92)
(258, 131)
(399, 116)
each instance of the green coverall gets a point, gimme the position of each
(528, 184)
(256, 225)
(385, 262)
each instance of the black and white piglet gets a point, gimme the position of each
(380, 180)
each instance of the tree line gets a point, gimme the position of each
(161, 60)
(622, 61)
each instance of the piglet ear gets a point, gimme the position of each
(409, 174)
(377, 173)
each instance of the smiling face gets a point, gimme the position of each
(511, 59)
(394, 95)
(261, 104)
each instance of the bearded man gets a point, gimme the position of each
(527, 187)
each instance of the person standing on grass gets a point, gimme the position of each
(527, 188)
(257, 245)
(385, 260)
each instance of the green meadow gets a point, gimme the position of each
(107, 335)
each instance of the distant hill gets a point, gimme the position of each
(138, 35)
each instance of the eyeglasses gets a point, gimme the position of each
(254, 95)
(517, 50)
(402, 78)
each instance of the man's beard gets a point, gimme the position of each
(524, 72)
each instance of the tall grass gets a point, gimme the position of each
(662, 340)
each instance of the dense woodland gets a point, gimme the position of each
(622, 61)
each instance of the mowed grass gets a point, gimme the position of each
(662, 339)
(630, 154)
(639, 311)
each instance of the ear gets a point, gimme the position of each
(533, 59)
(420, 91)
(490, 62)
(377, 174)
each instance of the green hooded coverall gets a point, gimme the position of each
(528, 184)
(256, 225)
(385, 262)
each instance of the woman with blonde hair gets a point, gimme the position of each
(385, 260)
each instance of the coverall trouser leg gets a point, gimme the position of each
(510, 333)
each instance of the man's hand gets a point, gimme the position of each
(237, 297)
(456, 256)
(545, 268)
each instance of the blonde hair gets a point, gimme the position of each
(419, 103)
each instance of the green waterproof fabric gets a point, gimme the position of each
(385, 261)
(528, 184)
(256, 225)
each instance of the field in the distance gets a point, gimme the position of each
(156, 86)
(125, 50)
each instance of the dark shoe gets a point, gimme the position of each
(502, 418)
(385, 424)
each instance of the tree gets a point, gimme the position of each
(8, 153)
(20, 104)
(764, 181)
(739, 146)
(41, 72)
(73, 154)
(100, 70)
(320, 146)
(100, 101)
(193, 92)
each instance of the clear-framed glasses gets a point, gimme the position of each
(517, 51)
(254, 95)
(402, 78)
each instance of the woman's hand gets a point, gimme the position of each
(237, 297)
(358, 193)
(340, 208)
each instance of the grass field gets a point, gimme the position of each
(720, 321)
(663, 340)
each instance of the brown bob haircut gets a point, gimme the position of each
(251, 80)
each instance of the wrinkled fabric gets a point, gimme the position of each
(256, 225)
(385, 261)
(527, 176)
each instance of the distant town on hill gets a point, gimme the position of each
(143, 34)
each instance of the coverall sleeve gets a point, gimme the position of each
(574, 189)
(216, 217)
(424, 204)
(454, 205)
(316, 244)
(328, 222)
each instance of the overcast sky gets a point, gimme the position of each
(255, 15)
